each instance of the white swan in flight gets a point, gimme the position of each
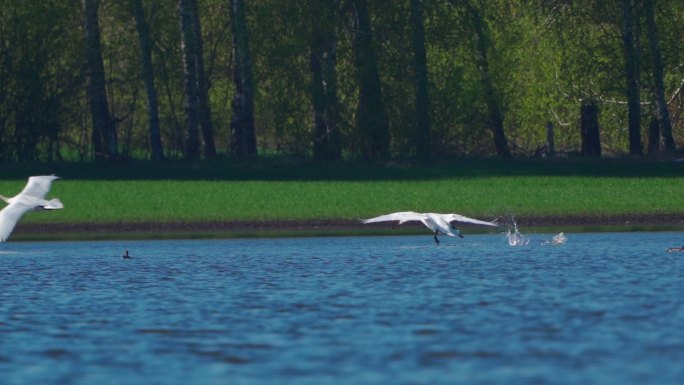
(439, 223)
(32, 197)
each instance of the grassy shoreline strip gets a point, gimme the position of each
(97, 202)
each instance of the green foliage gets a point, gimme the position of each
(545, 58)
(38, 80)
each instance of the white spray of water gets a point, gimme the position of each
(559, 239)
(515, 238)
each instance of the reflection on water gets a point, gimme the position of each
(604, 308)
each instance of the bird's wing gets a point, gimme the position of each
(53, 204)
(38, 186)
(405, 216)
(464, 219)
(9, 216)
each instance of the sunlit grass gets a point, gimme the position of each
(95, 201)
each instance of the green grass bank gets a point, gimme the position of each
(289, 192)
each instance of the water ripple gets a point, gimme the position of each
(601, 308)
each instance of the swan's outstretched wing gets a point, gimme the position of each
(38, 186)
(464, 219)
(404, 216)
(53, 204)
(9, 216)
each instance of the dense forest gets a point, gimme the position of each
(339, 79)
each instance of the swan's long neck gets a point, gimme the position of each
(4, 198)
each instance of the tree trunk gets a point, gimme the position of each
(654, 136)
(148, 76)
(494, 111)
(326, 143)
(422, 135)
(656, 55)
(591, 140)
(188, 46)
(243, 135)
(550, 141)
(632, 75)
(371, 118)
(104, 131)
(204, 110)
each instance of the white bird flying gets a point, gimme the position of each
(439, 223)
(32, 197)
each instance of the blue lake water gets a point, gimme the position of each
(604, 308)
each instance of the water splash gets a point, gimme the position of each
(559, 239)
(515, 237)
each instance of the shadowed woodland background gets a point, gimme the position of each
(339, 79)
